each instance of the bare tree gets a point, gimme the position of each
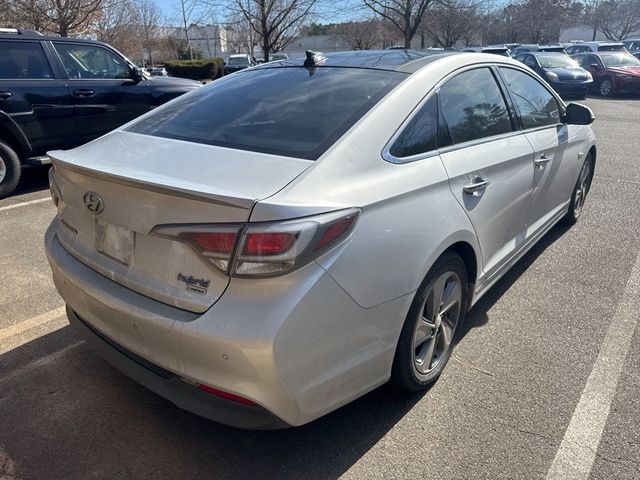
(449, 24)
(113, 24)
(619, 18)
(361, 35)
(275, 22)
(61, 17)
(191, 12)
(405, 15)
(148, 16)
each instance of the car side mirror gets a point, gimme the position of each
(578, 114)
(136, 74)
(595, 66)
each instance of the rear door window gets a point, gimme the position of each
(23, 60)
(537, 106)
(292, 111)
(473, 106)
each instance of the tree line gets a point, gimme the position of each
(139, 28)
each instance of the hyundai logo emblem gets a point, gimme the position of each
(93, 202)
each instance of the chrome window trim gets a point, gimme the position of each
(386, 152)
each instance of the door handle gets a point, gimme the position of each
(5, 95)
(83, 92)
(542, 160)
(474, 188)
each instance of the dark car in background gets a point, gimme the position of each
(613, 72)
(560, 71)
(238, 62)
(58, 93)
(633, 46)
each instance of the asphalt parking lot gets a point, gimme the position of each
(544, 383)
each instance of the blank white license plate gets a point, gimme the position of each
(114, 241)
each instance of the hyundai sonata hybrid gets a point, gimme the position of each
(274, 245)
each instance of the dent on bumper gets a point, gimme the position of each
(298, 347)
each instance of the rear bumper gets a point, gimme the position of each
(296, 346)
(171, 386)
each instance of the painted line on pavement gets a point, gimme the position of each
(24, 204)
(30, 323)
(574, 459)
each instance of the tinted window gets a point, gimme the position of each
(293, 111)
(89, 61)
(473, 106)
(529, 61)
(536, 105)
(23, 60)
(419, 136)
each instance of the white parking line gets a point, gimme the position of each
(30, 323)
(577, 451)
(24, 204)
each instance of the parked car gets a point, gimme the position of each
(633, 46)
(159, 72)
(274, 57)
(518, 51)
(323, 233)
(62, 92)
(560, 71)
(613, 72)
(585, 47)
(238, 62)
(494, 49)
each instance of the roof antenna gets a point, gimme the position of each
(313, 58)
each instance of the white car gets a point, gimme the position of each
(586, 47)
(280, 242)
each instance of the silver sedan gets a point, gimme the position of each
(272, 246)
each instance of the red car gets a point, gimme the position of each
(613, 72)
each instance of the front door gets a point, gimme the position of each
(489, 163)
(32, 96)
(104, 93)
(555, 154)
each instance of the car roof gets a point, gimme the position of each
(603, 43)
(396, 59)
(547, 54)
(609, 52)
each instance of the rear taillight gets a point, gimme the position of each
(265, 249)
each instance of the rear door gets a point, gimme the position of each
(104, 93)
(489, 162)
(34, 96)
(555, 149)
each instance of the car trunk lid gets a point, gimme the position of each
(114, 191)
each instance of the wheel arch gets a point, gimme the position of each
(11, 133)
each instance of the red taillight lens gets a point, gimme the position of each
(227, 395)
(334, 231)
(258, 244)
(218, 242)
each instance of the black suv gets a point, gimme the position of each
(62, 92)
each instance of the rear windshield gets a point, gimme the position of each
(294, 111)
(238, 61)
(497, 51)
(556, 61)
(611, 48)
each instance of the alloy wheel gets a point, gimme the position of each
(582, 188)
(605, 88)
(434, 331)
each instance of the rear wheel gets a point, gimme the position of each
(606, 88)
(580, 191)
(427, 337)
(9, 170)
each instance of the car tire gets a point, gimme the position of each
(606, 87)
(580, 191)
(10, 170)
(429, 331)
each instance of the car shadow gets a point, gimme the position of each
(68, 414)
(33, 179)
